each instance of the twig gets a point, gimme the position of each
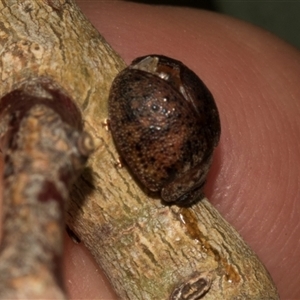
(43, 153)
(173, 249)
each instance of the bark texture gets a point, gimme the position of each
(42, 158)
(148, 250)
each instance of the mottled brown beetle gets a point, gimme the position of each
(165, 124)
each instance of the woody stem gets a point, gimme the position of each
(43, 154)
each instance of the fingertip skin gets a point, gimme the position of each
(254, 77)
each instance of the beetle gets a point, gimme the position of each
(165, 125)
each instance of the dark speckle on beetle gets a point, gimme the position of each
(165, 125)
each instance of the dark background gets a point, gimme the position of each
(282, 17)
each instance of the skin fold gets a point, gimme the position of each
(254, 77)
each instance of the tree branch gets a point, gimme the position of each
(148, 250)
(43, 153)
